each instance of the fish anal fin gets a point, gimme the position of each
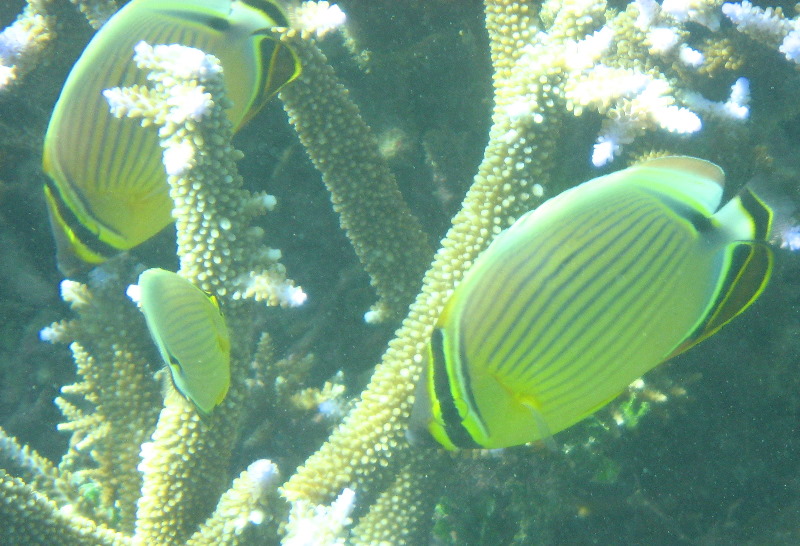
(750, 268)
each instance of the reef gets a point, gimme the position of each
(397, 107)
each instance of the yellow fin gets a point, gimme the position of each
(749, 271)
(541, 425)
(700, 168)
(687, 180)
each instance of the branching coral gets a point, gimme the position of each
(216, 247)
(97, 12)
(22, 43)
(387, 238)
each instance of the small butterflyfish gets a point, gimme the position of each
(189, 330)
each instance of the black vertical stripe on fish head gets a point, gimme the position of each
(174, 362)
(69, 263)
(453, 426)
(418, 432)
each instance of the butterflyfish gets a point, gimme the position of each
(189, 331)
(583, 295)
(107, 189)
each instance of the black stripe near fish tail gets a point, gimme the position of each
(701, 222)
(205, 19)
(749, 269)
(270, 9)
(759, 212)
(453, 426)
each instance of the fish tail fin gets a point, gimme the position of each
(757, 213)
(762, 211)
(751, 222)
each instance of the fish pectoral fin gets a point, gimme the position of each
(543, 430)
(749, 269)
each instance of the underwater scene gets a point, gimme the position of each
(422, 272)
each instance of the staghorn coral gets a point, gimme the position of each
(105, 430)
(23, 43)
(386, 236)
(97, 12)
(216, 246)
(547, 59)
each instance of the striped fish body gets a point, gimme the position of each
(585, 294)
(107, 190)
(190, 333)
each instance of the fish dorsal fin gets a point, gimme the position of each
(685, 177)
(749, 269)
(688, 165)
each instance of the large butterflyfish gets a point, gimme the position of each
(585, 294)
